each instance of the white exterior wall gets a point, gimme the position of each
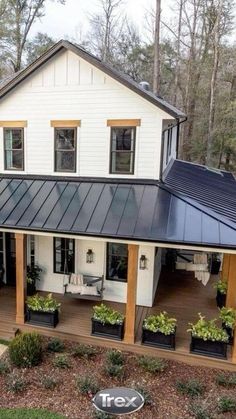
(69, 88)
(114, 290)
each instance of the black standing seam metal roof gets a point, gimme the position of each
(130, 211)
(12, 81)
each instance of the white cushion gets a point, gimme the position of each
(74, 289)
(77, 279)
(89, 290)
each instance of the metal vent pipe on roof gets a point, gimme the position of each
(145, 85)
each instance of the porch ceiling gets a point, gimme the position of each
(137, 210)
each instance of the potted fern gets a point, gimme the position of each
(107, 322)
(208, 339)
(221, 288)
(42, 311)
(159, 331)
(32, 275)
(228, 318)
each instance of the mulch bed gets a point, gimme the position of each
(66, 399)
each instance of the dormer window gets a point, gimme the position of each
(122, 150)
(14, 148)
(65, 149)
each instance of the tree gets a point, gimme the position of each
(157, 54)
(38, 46)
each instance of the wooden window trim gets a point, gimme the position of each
(132, 152)
(108, 278)
(55, 151)
(13, 124)
(65, 123)
(123, 122)
(23, 150)
(54, 254)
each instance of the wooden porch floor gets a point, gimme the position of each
(178, 293)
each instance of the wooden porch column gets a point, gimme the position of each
(231, 295)
(20, 277)
(131, 293)
(225, 267)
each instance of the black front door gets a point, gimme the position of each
(10, 259)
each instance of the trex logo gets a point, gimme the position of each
(118, 401)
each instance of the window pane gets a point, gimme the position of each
(64, 255)
(65, 139)
(122, 162)
(122, 139)
(14, 159)
(13, 138)
(65, 161)
(117, 261)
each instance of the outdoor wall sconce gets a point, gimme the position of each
(143, 262)
(89, 256)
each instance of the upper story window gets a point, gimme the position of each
(122, 150)
(14, 148)
(117, 262)
(65, 149)
(64, 255)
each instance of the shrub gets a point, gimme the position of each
(114, 370)
(228, 317)
(33, 274)
(227, 404)
(49, 382)
(85, 351)
(15, 383)
(200, 411)
(107, 315)
(115, 357)
(4, 367)
(226, 380)
(56, 345)
(145, 393)
(191, 388)
(102, 415)
(151, 364)
(160, 323)
(87, 385)
(46, 304)
(221, 286)
(25, 350)
(61, 361)
(208, 330)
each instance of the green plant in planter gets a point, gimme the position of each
(160, 323)
(46, 304)
(228, 317)
(33, 274)
(208, 330)
(107, 315)
(221, 287)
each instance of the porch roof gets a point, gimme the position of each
(140, 211)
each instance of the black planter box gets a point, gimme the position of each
(31, 289)
(111, 331)
(208, 348)
(220, 299)
(158, 339)
(230, 333)
(40, 318)
(215, 267)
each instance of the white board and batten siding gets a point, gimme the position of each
(69, 88)
(114, 290)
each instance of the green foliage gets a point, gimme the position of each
(33, 274)
(85, 351)
(145, 393)
(28, 414)
(208, 330)
(102, 415)
(4, 342)
(115, 357)
(61, 361)
(55, 345)
(114, 370)
(192, 388)
(151, 364)
(160, 323)
(106, 315)
(4, 367)
(49, 382)
(16, 383)
(228, 316)
(227, 404)
(87, 385)
(25, 350)
(221, 286)
(200, 411)
(226, 380)
(46, 304)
